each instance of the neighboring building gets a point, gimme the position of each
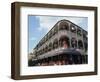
(61, 43)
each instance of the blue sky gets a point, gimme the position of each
(38, 26)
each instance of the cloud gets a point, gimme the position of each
(47, 22)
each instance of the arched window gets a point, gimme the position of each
(50, 46)
(63, 26)
(55, 44)
(40, 43)
(39, 52)
(73, 28)
(43, 50)
(55, 29)
(49, 34)
(79, 32)
(46, 38)
(80, 44)
(43, 40)
(46, 48)
(64, 42)
(86, 46)
(73, 42)
(35, 53)
(85, 35)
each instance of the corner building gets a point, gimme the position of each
(66, 43)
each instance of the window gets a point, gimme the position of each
(64, 42)
(45, 39)
(55, 44)
(73, 28)
(36, 47)
(79, 32)
(80, 44)
(49, 34)
(86, 46)
(53, 33)
(40, 43)
(46, 48)
(55, 30)
(50, 46)
(85, 35)
(43, 50)
(64, 26)
(73, 42)
(35, 53)
(38, 52)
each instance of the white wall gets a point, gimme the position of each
(5, 39)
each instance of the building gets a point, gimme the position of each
(66, 42)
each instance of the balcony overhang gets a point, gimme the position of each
(60, 51)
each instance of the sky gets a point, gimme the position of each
(38, 26)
